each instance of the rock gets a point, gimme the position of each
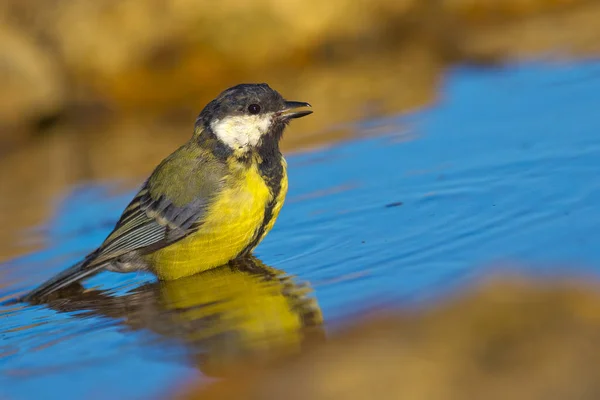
(158, 57)
(525, 29)
(31, 83)
(510, 339)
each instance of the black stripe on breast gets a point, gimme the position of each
(271, 170)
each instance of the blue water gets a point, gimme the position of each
(505, 167)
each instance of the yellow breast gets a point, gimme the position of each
(229, 226)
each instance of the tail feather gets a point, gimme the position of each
(73, 274)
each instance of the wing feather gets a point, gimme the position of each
(162, 214)
(170, 206)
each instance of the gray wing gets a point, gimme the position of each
(151, 222)
(146, 224)
(169, 206)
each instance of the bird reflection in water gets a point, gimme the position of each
(243, 312)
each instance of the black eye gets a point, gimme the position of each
(253, 108)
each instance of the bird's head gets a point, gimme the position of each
(245, 116)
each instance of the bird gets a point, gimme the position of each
(211, 201)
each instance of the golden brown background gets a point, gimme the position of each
(105, 89)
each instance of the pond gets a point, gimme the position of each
(503, 170)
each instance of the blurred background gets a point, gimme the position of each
(105, 89)
(453, 133)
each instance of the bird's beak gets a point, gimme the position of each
(291, 111)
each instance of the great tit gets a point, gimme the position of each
(211, 201)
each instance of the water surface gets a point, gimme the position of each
(504, 167)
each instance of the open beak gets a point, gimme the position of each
(291, 110)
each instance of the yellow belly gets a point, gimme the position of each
(229, 226)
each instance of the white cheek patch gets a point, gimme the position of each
(242, 131)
